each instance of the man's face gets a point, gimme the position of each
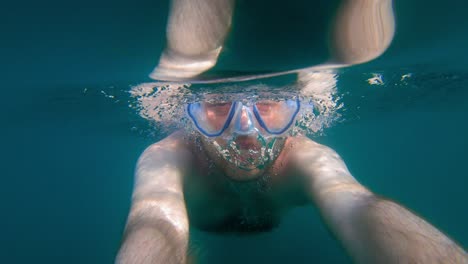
(244, 156)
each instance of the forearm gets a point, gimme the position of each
(157, 225)
(375, 230)
(158, 244)
(156, 232)
(372, 229)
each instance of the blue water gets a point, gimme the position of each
(69, 151)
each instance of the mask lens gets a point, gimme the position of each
(211, 118)
(276, 116)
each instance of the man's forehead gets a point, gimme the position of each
(244, 93)
(245, 98)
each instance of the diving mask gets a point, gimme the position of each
(267, 117)
(245, 133)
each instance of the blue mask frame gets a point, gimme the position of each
(196, 106)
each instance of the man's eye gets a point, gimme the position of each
(267, 106)
(219, 108)
(264, 108)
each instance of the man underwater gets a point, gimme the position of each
(244, 165)
(242, 168)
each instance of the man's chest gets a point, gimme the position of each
(238, 206)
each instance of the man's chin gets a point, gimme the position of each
(244, 173)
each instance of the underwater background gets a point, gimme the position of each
(70, 140)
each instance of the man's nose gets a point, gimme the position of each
(244, 122)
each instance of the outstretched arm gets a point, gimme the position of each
(372, 229)
(157, 225)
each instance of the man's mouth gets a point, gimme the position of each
(246, 152)
(249, 153)
(248, 142)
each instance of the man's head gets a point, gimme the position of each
(165, 105)
(244, 137)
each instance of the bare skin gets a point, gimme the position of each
(197, 29)
(179, 179)
(371, 229)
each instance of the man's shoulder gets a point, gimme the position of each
(305, 154)
(303, 144)
(173, 142)
(174, 149)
